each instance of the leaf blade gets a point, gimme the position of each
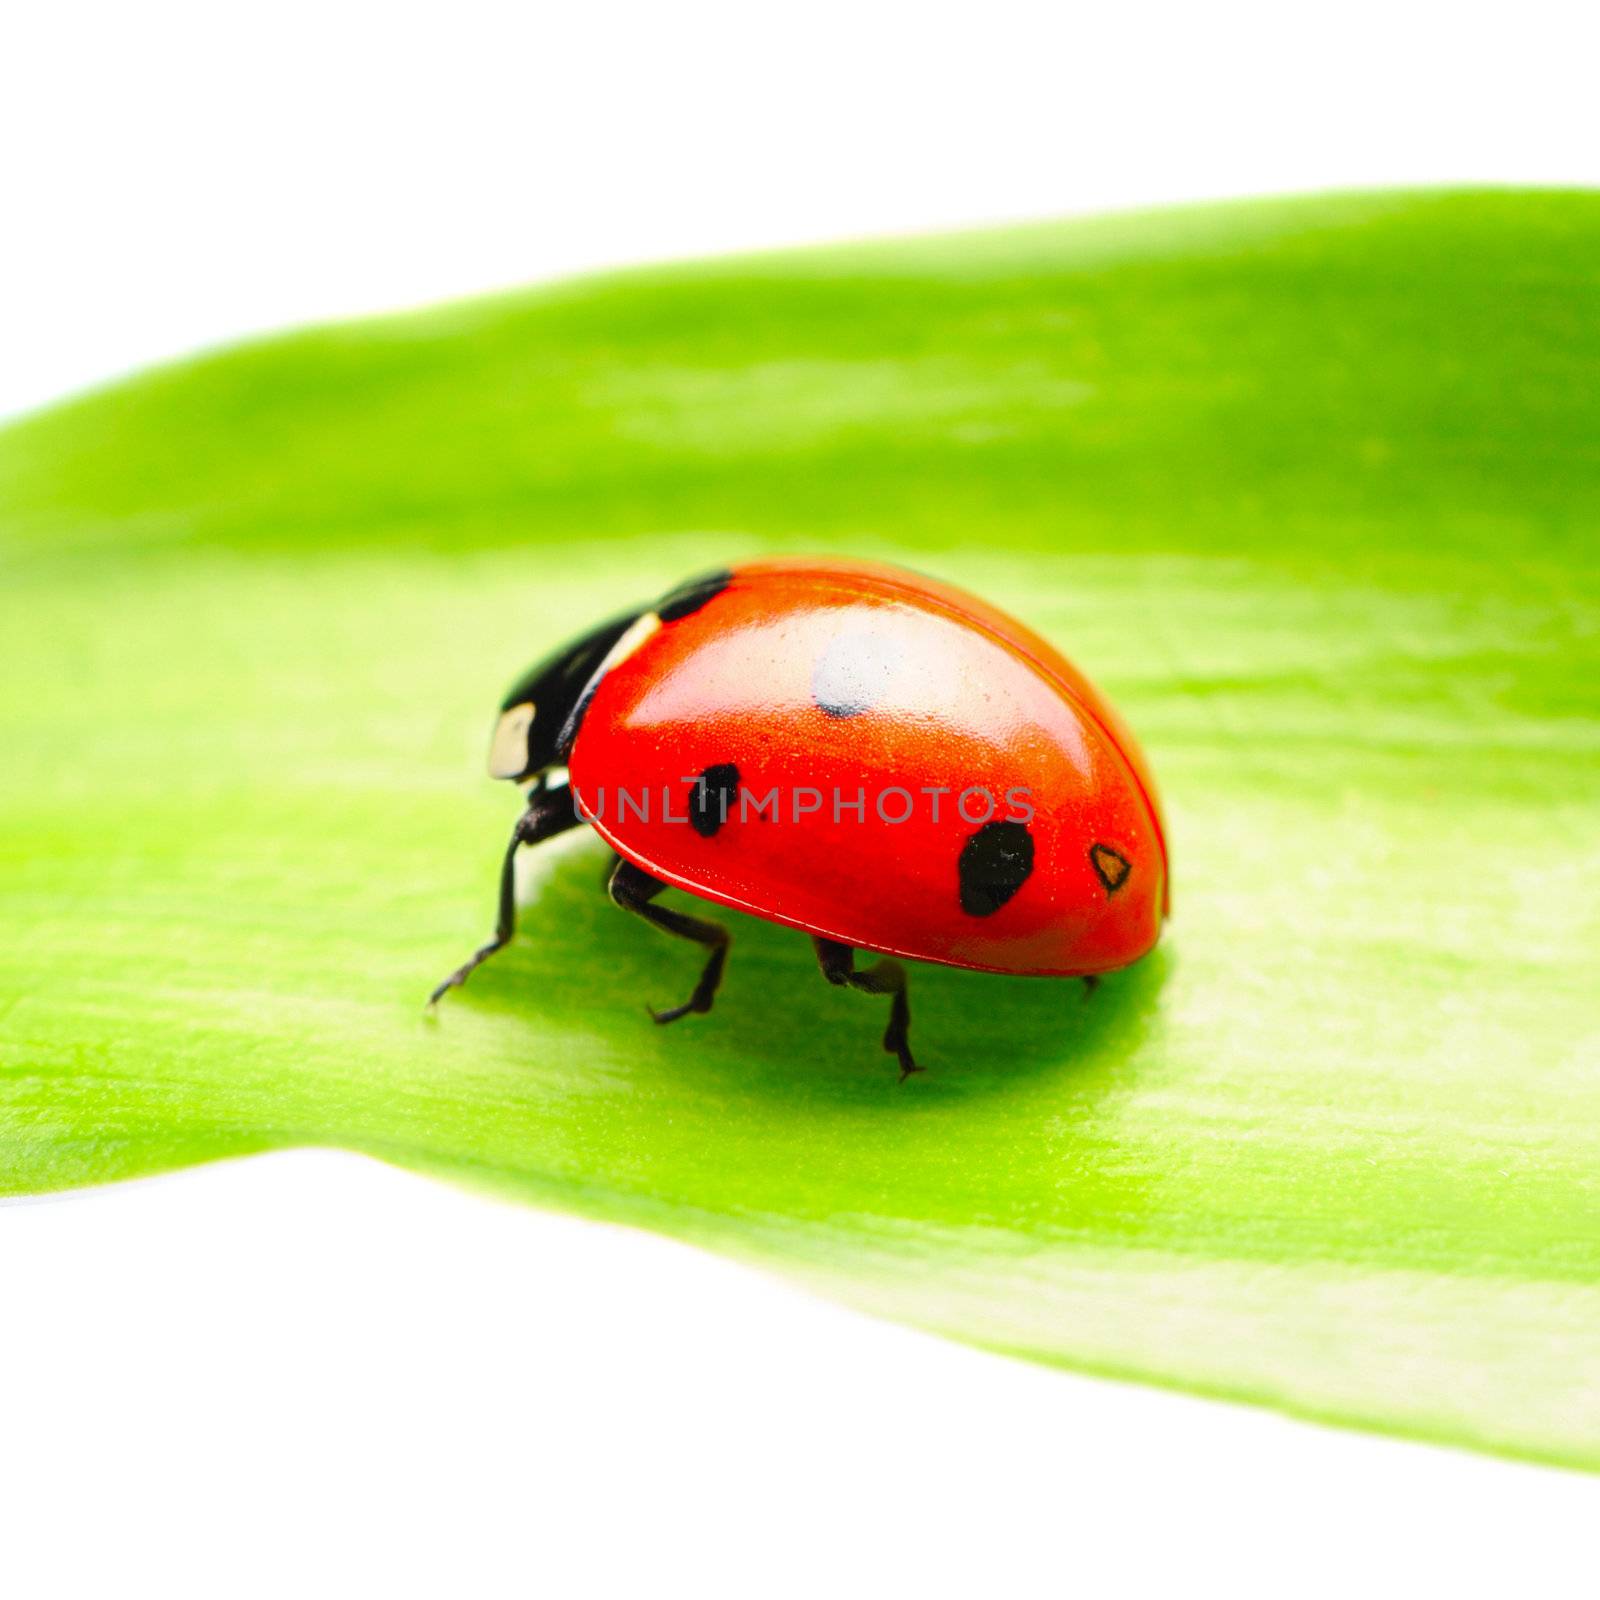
(1307, 487)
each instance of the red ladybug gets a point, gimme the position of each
(873, 757)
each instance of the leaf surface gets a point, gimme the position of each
(1311, 488)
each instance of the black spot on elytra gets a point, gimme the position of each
(1111, 867)
(713, 798)
(688, 597)
(995, 862)
(854, 672)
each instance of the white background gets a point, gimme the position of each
(310, 1374)
(172, 175)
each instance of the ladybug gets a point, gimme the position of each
(875, 758)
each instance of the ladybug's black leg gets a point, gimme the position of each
(885, 976)
(550, 811)
(633, 889)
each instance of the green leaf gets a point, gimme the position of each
(1311, 488)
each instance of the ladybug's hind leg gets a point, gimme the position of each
(634, 889)
(550, 811)
(885, 976)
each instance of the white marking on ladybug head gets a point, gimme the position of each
(508, 751)
(643, 628)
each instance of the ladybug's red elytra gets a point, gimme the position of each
(876, 758)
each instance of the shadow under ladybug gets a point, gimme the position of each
(776, 1032)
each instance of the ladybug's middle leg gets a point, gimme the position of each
(885, 976)
(633, 889)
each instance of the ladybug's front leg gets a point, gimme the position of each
(550, 811)
(886, 976)
(633, 889)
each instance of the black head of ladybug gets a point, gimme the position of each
(538, 706)
(540, 714)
